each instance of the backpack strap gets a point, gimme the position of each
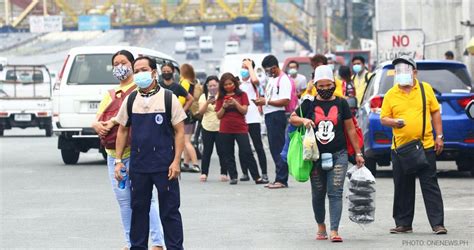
(168, 105)
(423, 98)
(130, 100)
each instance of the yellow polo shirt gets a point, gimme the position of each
(360, 85)
(103, 105)
(186, 85)
(400, 105)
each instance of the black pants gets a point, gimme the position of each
(210, 138)
(276, 128)
(245, 154)
(169, 202)
(256, 136)
(404, 200)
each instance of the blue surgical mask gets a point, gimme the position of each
(143, 79)
(293, 72)
(244, 73)
(356, 68)
(403, 79)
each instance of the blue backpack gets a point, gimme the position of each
(289, 130)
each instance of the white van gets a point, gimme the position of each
(240, 30)
(25, 98)
(231, 47)
(190, 33)
(82, 82)
(206, 44)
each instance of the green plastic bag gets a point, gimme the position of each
(297, 166)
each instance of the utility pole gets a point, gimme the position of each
(267, 39)
(349, 9)
(320, 25)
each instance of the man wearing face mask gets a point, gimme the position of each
(300, 80)
(402, 110)
(167, 71)
(277, 97)
(361, 76)
(249, 84)
(156, 118)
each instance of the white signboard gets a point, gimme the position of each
(43, 24)
(395, 43)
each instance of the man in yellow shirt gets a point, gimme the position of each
(402, 110)
(361, 76)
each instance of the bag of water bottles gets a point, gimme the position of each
(310, 147)
(361, 195)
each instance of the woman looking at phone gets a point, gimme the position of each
(210, 128)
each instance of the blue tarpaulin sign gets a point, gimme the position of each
(94, 22)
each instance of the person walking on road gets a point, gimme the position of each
(300, 80)
(188, 78)
(210, 128)
(231, 107)
(249, 84)
(155, 117)
(277, 96)
(106, 127)
(361, 76)
(408, 108)
(329, 115)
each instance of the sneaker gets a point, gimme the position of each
(439, 230)
(185, 168)
(244, 178)
(261, 181)
(265, 177)
(233, 182)
(401, 229)
(195, 169)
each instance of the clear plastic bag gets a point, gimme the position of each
(361, 195)
(310, 146)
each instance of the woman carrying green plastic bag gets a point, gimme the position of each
(297, 166)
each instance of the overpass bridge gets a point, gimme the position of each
(288, 16)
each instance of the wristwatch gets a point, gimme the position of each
(117, 161)
(441, 136)
(360, 154)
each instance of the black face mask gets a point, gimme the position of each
(167, 76)
(326, 93)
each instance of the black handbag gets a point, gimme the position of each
(411, 156)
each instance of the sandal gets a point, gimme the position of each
(203, 178)
(277, 185)
(224, 178)
(336, 238)
(321, 236)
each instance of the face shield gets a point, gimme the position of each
(403, 74)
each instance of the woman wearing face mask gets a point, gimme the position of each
(329, 115)
(210, 128)
(106, 127)
(231, 106)
(167, 71)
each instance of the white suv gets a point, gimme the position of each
(84, 79)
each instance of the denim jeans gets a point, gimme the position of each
(276, 128)
(332, 183)
(123, 198)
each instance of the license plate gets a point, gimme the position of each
(93, 107)
(22, 117)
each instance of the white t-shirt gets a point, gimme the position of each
(300, 82)
(272, 92)
(253, 115)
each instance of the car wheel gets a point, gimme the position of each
(49, 130)
(69, 156)
(1, 131)
(371, 164)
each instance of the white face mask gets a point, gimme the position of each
(403, 75)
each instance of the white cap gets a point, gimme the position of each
(323, 72)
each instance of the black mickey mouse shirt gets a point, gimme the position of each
(329, 117)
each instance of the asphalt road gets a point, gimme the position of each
(45, 204)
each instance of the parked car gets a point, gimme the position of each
(453, 88)
(192, 53)
(190, 33)
(206, 44)
(180, 47)
(240, 30)
(231, 47)
(25, 98)
(85, 77)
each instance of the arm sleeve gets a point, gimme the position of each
(104, 103)
(219, 103)
(180, 91)
(431, 101)
(122, 115)
(244, 99)
(177, 112)
(285, 88)
(303, 109)
(346, 111)
(386, 107)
